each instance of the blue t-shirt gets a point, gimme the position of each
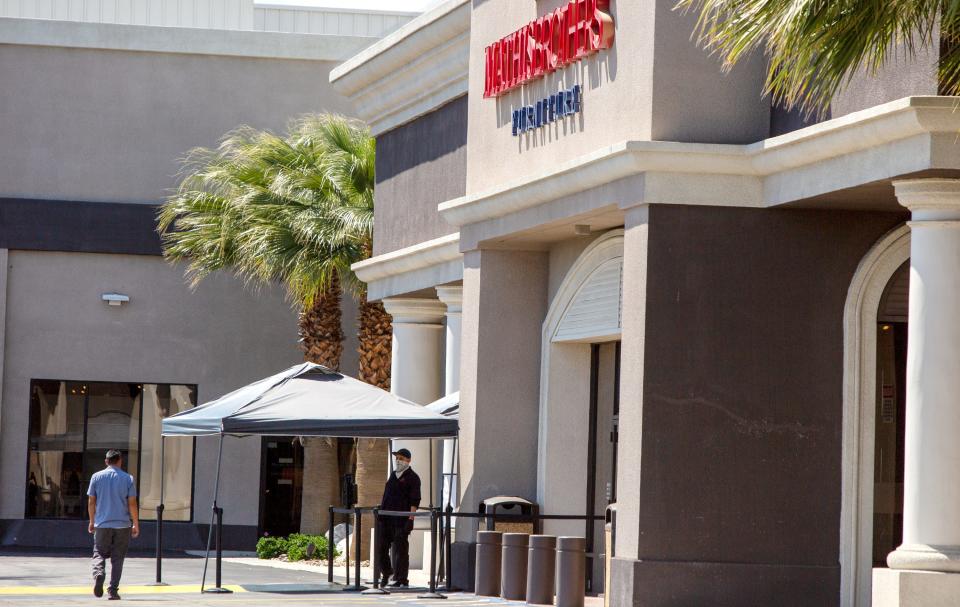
(112, 486)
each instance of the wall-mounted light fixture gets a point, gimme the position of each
(115, 299)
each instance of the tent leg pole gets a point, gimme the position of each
(159, 541)
(213, 516)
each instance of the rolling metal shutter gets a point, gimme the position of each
(595, 311)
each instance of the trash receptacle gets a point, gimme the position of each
(488, 563)
(512, 505)
(609, 537)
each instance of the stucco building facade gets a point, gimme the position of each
(664, 291)
(97, 109)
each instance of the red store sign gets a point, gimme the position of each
(567, 35)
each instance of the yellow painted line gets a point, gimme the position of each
(65, 590)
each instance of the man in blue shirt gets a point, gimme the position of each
(114, 518)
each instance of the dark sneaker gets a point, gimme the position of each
(399, 584)
(112, 595)
(98, 586)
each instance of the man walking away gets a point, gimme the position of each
(402, 493)
(114, 518)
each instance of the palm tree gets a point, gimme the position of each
(351, 156)
(296, 210)
(816, 46)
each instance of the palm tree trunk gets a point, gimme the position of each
(321, 331)
(375, 336)
(321, 339)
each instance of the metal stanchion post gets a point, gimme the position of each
(375, 549)
(448, 539)
(159, 580)
(330, 547)
(358, 543)
(433, 594)
(346, 549)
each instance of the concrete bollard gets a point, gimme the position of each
(571, 571)
(541, 562)
(488, 563)
(513, 572)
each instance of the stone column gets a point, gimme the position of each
(416, 364)
(931, 511)
(452, 297)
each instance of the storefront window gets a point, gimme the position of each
(72, 425)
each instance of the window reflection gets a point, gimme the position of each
(72, 424)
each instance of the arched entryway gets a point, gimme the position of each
(874, 351)
(579, 392)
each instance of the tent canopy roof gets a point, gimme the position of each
(311, 400)
(448, 406)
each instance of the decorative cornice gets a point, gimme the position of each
(410, 259)
(825, 157)
(421, 266)
(417, 68)
(185, 40)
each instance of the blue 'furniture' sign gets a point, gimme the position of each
(547, 110)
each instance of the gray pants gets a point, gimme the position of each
(110, 544)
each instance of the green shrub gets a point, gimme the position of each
(298, 542)
(271, 547)
(294, 546)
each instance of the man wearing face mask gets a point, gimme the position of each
(402, 493)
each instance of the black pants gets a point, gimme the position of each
(110, 544)
(395, 535)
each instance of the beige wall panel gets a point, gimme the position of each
(653, 84)
(617, 98)
(567, 421)
(220, 337)
(133, 115)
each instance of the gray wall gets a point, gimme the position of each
(694, 100)
(900, 77)
(742, 403)
(419, 165)
(219, 336)
(83, 124)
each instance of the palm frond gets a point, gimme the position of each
(296, 209)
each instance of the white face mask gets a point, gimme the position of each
(401, 466)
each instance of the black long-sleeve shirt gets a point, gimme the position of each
(402, 493)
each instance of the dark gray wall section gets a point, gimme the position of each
(86, 227)
(742, 409)
(419, 165)
(66, 534)
(900, 77)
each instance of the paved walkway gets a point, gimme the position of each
(34, 580)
